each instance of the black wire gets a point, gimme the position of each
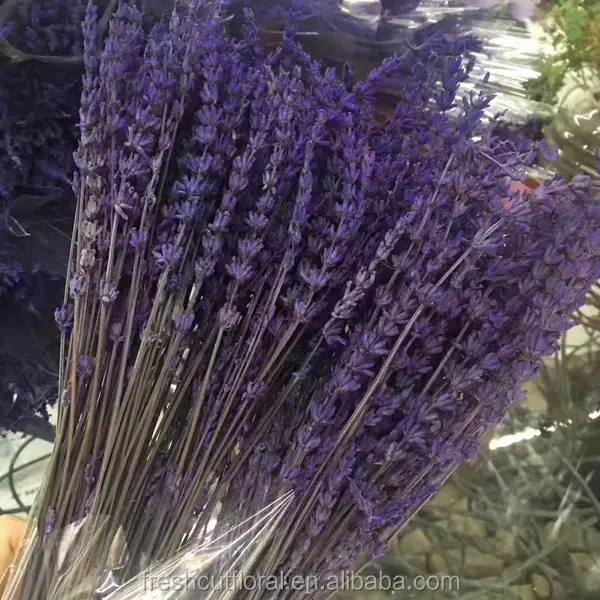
(14, 511)
(26, 465)
(10, 474)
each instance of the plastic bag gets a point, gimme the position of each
(362, 33)
(213, 564)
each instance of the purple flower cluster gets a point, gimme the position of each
(38, 111)
(29, 345)
(273, 292)
(38, 100)
(41, 62)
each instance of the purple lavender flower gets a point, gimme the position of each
(322, 307)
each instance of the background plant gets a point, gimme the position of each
(573, 27)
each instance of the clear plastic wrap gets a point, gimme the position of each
(214, 566)
(213, 563)
(361, 31)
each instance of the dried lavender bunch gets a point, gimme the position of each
(29, 352)
(38, 101)
(272, 293)
(41, 64)
(38, 115)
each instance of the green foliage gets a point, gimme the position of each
(574, 31)
(546, 87)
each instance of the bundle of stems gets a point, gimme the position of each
(275, 300)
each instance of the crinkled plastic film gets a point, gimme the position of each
(358, 34)
(361, 34)
(212, 565)
(67, 551)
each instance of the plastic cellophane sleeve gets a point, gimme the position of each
(213, 562)
(510, 52)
